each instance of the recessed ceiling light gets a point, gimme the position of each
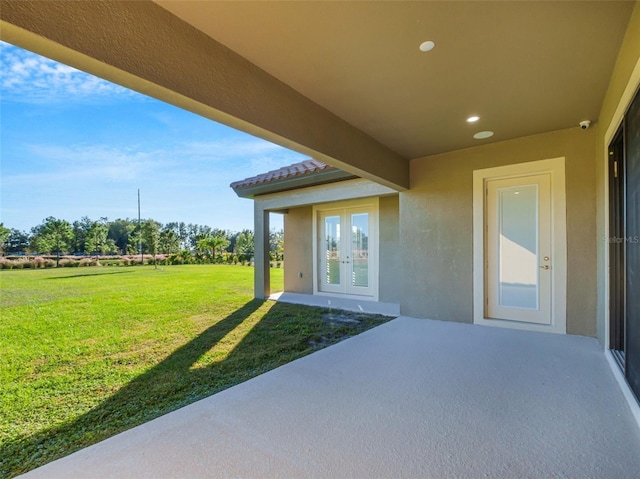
(427, 46)
(473, 119)
(481, 135)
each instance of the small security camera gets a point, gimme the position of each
(585, 124)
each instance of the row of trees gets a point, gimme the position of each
(126, 236)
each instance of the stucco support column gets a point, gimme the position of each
(261, 276)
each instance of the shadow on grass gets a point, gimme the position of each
(284, 333)
(88, 274)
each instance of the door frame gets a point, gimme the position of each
(616, 333)
(373, 204)
(556, 168)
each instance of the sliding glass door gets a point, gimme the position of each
(624, 245)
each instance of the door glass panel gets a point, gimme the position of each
(518, 251)
(360, 250)
(332, 249)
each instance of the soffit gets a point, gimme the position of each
(524, 67)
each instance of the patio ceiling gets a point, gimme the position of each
(523, 67)
(345, 82)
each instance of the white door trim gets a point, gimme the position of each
(556, 167)
(373, 204)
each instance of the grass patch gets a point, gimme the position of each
(85, 354)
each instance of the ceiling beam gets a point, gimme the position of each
(143, 47)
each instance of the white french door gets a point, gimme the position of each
(346, 251)
(519, 256)
(520, 246)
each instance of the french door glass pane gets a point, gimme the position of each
(360, 250)
(518, 247)
(332, 249)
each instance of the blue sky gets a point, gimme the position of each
(74, 145)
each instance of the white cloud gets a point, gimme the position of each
(97, 163)
(257, 156)
(235, 149)
(29, 78)
(191, 163)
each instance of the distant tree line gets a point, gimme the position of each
(87, 237)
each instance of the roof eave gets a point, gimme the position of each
(278, 186)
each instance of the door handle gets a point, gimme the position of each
(546, 266)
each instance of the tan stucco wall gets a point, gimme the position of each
(390, 271)
(624, 81)
(436, 226)
(298, 250)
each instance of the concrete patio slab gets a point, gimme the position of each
(410, 398)
(348, 304)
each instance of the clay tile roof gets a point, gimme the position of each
(306, 167)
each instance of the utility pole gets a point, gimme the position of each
(140, 232)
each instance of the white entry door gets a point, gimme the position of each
(345, 249)
(519, 256)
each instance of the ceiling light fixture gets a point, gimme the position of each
(427, 46)
(481, 135)
(473, 119)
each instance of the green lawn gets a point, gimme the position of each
(86, 353)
